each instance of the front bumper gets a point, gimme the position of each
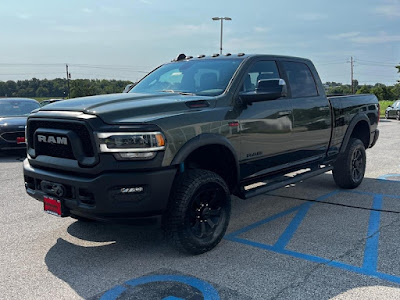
(375, 138)
(109, 196)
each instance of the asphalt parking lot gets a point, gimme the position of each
(308, 241)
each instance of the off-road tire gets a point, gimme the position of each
(199, 211)
(349, 169)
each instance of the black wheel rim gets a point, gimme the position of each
(207, 211)
(357, 165)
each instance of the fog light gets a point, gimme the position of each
(134, 155)
(130, 190)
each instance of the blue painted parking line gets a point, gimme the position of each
(207, 290)
(370, 260)
(388, 176)
(372, 243)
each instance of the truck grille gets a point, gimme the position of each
(55, 149)
(12, 136)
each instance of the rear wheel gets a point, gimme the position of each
(349, 169)
(199, 211)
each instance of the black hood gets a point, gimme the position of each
(128, 107)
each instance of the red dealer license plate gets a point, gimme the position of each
(52, 206)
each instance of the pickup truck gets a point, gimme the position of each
(189, 135)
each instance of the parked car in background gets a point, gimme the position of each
(393, 111)
(13, 115)
(45, 102)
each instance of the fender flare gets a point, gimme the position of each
(356, 119)
(205, 139)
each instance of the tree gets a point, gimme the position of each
(396, 91)
(398, 70)
(42, 92)
(364, 90)
(382, 92)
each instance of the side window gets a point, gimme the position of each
(301, 80)
(260, 70)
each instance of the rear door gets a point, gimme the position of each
(311, 111)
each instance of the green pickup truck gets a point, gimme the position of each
(189, 135)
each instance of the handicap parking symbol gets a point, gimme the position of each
(185, 287)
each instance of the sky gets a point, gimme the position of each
(125, 39)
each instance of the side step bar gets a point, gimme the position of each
(273, 183)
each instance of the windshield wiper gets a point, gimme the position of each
(176, 92)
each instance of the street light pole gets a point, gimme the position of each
(222, 21)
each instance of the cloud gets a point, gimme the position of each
(24, 16)
(356, 37)
(190, 29)
(111, 10)
(87, 10)
(70, 29)
(248, 44)
(312, 16)
(344, 35)
(378, 39)
(262, 29)
(391, 9)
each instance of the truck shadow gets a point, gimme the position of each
(96, 256)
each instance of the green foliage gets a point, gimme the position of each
(365, 89)
(333, 88)
(57, 88)
(381, 91)
(383, 105)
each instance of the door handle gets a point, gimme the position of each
(284, 113)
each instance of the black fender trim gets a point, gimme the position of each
(205, 139)
(356, 119)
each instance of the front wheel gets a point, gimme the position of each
(199, 211)
(386, 115)
(349, 169)
(398, 116)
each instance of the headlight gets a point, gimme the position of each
(131, 145)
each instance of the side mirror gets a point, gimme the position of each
(266, 89)
(129, 87)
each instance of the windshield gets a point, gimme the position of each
(197, 77)
(16, 108)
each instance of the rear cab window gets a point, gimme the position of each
(301, 80)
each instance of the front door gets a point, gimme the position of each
(265, 126)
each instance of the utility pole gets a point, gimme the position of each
(351, 71)
(68, 77)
